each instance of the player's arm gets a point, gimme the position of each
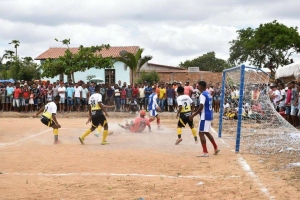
(179, 110)
(90, 114)
(41, 110)
(202, 101)
(103, 108)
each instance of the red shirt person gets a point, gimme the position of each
(139, 124)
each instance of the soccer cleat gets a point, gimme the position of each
(121, 126)
(217, 151)
(56, 141)
(104, 143)
(196, 142)
(178, 141)
(203, 155)
(96, 134)
(81, 140)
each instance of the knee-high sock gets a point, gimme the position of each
(204, 148)
(86, 133)
(179, 132)
(194, 132)
(105, 133)
(99, 129)
(55, 131)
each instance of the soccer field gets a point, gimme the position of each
(133, 166)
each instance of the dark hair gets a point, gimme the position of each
(293, 82)
(57, 98)
(281, 84)
(202, 83)
(180, 89)
(97, 88)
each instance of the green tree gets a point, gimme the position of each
(206, 62)
(89, 77)
(4, 67)
(69, 63)
(148, 76)
(269, 45)
(133, 61)
(16, 44)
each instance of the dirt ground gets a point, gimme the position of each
(134, 166)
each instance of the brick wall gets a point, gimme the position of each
(214, 77)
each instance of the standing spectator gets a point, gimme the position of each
(161, 97)
(142, 96)
(195, 97)
(26, 95)
(92, 88)
(120, 84)
(2, 96)
(85, 96)
(217, 97)
(110, 96)
(281, 101)
(135, 92)
(188, 89)
(62, 93)
(36, 94)
(288, 102)
(148, 92)
(54, 90)
(49, 94)
(294, 103)
(117, 98)
(70, 96)
(170, 97)
(16, 101)
(103, 93)
(9, 97)
(128, 95)
(123, 98)
(78, 96)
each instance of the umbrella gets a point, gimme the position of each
(97, 79)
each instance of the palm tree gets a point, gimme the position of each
(133, 61)
(16, 43)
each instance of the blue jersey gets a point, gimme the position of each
(207, 111)
(152, 102)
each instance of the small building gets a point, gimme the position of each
(110, 75)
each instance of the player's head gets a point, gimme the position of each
(180, 90)
(97, 88)
(57, 99)
(142, 113)
(202, 85)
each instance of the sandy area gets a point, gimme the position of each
(133, 166)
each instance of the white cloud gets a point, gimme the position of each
(170, 30)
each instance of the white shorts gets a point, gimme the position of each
(153, 113)
(204, 126)
(16, 102)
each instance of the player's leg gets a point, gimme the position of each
(206, 126)
(202, 138)
(180, 125)
(95, 122)
(104, 123)
(98, 131)
(194, 131)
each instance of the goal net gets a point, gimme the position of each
(248, 115)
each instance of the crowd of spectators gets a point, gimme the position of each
(30, 96)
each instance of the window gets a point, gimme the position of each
(110, 76)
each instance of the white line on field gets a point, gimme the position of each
(116, 174)
(23, 139)
(243, 163)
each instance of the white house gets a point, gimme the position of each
(112, 75)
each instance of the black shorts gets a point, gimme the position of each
(99, 120)
(183, 120)
(47, 122)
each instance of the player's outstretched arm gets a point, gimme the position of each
(103, 109)
(41, 110)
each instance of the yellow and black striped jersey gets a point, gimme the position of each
(50, 108)
(94, 101)
(185, 101)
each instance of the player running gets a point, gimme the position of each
(185, 107)
(96, 109)
(153, 106)
(139, 124)
(49, 117)
(206, 117)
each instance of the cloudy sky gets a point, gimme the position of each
(170, 30)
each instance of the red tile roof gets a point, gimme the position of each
(55, 52)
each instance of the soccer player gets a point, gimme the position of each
(49, 117)
(139, 124)
(153, 106)
(96, 116)
(206, 117)
(185, 107)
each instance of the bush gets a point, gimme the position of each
(148, 76)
